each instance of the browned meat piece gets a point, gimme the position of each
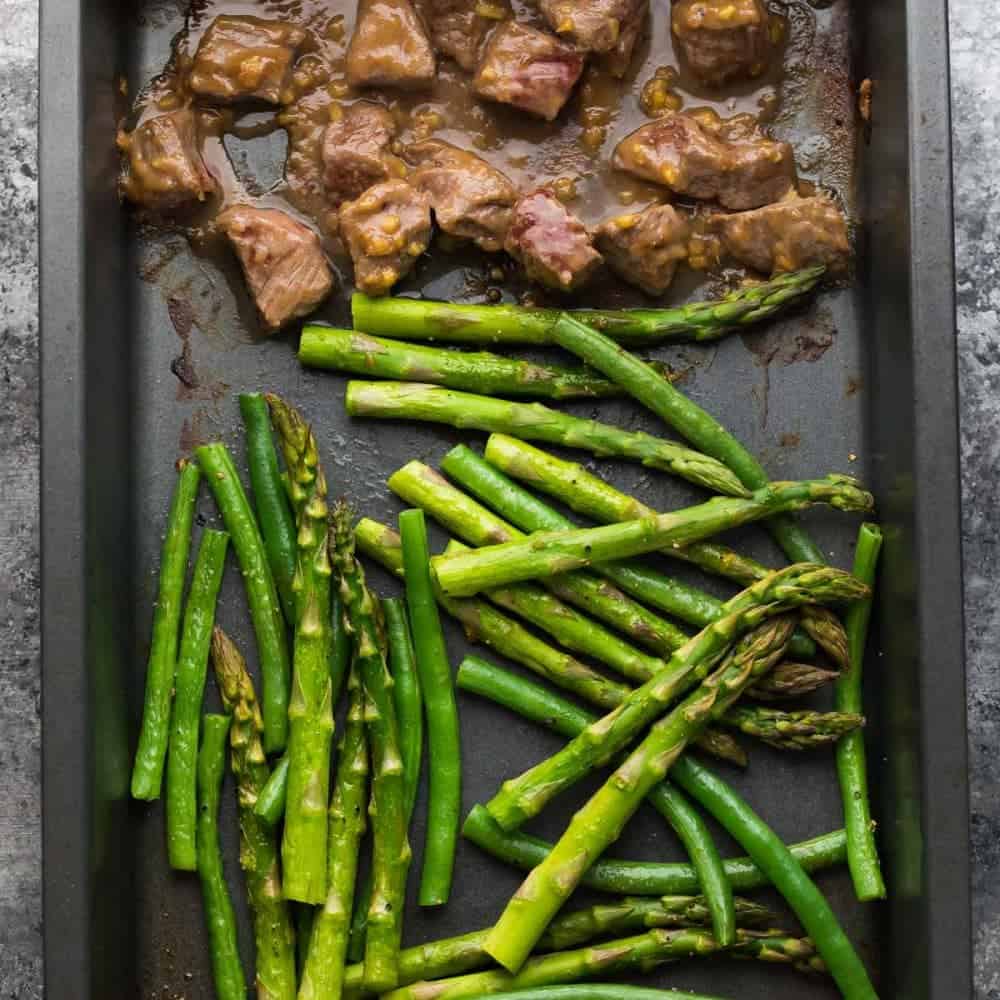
(799, 232)
(684, 155)
(529, 69)
(721, 40)
(245, 58)
(470, 198)
(356, 151)
(618, 60)
(551, 243)
(590, 25)
(385, 231)
(458, 28)
(390, 47)
(165, 169)
(644, 248)
(282, 261)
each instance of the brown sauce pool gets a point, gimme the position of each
(574, 153)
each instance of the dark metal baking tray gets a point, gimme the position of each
(117, 923)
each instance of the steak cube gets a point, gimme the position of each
(551, 243)
(164, 169)
(390, 47)
(470, 198)
(591, 25)
(528, 69)
(282, 260)
(645, 248)
(618, 59)
(722, 40)
(796, 233)
(691, 159)
(385, 231)
(458, 28)
(357, 151)
(245, 58)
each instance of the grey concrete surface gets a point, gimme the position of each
(976, 98)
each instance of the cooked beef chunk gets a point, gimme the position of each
(390, 47)
(458, 28)
(590, 25)
(644, 248)
(165, 169)
(357, 153)
(721, 40)
(470, 198)
(551, 243)
(385, 231)
(245, 58)
(796, 233)
(529, 69)
(692, 159)
(282, 261)
(618, 60)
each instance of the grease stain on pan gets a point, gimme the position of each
(805, 337)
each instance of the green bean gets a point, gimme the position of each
(150, 756)
(644, 878)
(686, 417)
(277, 524)
(227, 970)
(783, 870)
(862, 854)
(270, 805)
(406, 693)
(443, 739)
(262, 595)
(189, 690)
(535, 702)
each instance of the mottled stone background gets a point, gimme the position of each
(976, 97)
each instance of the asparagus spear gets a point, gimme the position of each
(391, 849)
(828, 632)
(262, 595)
(483, 623)
(189, 690)
(600, 822)
(527, 512)
(650, 878)
(642, 952)
(524, 796)
(489, 374)
(423, 319)
(791, 680)
(444, 796)
(554, 712)
(414, 401)
(323, 976)
(601, 991)
(722, 745)
(271, 800)
(274, 936)
(421, 486)
(803, 730)
(310, 710)
(571, 629)
(410, 717)
(586, 493)
(686, 417)
(543, 554)
(150, 755)
(627, 915)
(862, 852)
(227, 971)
